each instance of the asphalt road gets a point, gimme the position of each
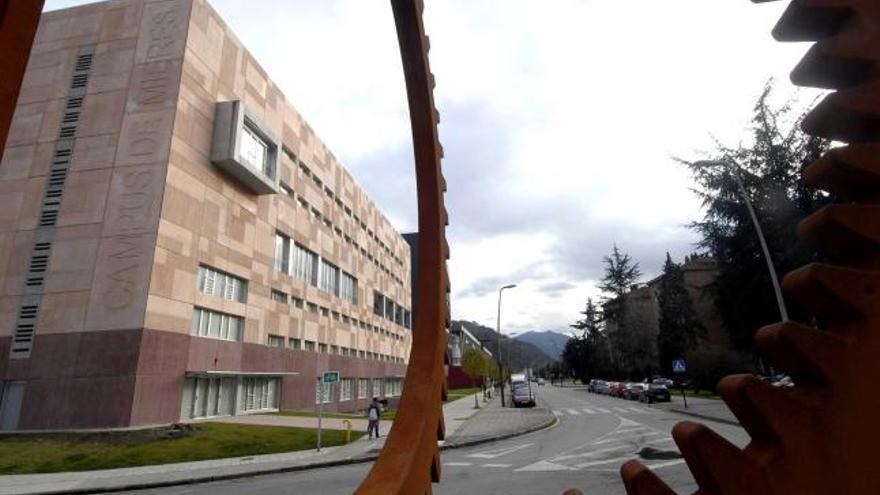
(594, 436)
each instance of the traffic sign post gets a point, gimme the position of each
(328, 378)
(679, 366)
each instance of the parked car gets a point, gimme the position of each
(616, 389)
(523, 397)
(655, 393)
(541, 381)
(633, 391)
(596, 386)
(659, 380)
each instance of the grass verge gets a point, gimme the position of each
(388, 414)
(60, 452)
(460, 393)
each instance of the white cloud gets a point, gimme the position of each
(559, 120)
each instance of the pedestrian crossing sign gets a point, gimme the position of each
(679, 366)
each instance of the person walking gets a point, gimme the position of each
(373, 413)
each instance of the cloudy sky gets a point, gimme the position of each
(559, 121)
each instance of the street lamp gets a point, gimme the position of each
(498, 342)
(735, 168)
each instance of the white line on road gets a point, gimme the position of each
(573, 412)
(491, 454)
(640, 411)
(589, 411)
(666, 464)
(498, 465)
(454, 464)
(606, 411)
(606, 461)
(558, 413)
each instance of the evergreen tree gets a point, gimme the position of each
(679, 326)
(586, 354)
(620, 273)
(770, 172)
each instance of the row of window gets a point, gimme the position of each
(293, 343)
(336, 199)
(366, 388)
(299, 303)
(316, 214)
(221, 284)
(385, 307)
(217, 325)
(299, 262)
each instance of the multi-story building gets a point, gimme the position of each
(458, 342)
(175, 241)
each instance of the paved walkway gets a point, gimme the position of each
(464, 425)
(357, 423)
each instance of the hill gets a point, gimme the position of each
(516, 354)
(552, 343)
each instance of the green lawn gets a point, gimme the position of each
(58, 452)
(460, 393)
(387, 414)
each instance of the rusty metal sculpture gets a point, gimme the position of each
(18, 26)
(410, 460)
(813, 439)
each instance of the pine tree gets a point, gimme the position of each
(679, 326)
(620, 273)
(770, 170)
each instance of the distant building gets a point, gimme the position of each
(175, 240)
(459, 341)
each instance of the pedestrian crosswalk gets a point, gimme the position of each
(601, 410)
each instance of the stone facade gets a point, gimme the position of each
(142, 207)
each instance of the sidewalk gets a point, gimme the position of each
(707, 409)
(464, 425)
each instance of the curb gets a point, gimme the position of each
(288, 469)
(704, 416)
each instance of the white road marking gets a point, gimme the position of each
(497, 465)
(639, 410)
(573, 412)
(605, 461)
(491, 454)
(622, 410)
(666, 464)
(544, 466)
(589, 411)
(454, 464)
(606, 411)
(558, 413)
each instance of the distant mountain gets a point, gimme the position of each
(516, 354)
(552, 343)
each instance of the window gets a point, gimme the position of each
(329, 279)
(294, 344)
(334, 349)
(287, 190)
(312, 307)
(407, 319)
(221, 284)
(378, 304)
(296, 302)
(279, 296)
(389, 309)
(325, 312)
(217, 325)
(348, 288)
(275, 341)
(393, 386)
(282, 250)
(305, 264)
(363, 388)
(345, 389)
(322, 348)
(377, 388)
(336, 315)
(361, 354)
(255, 150)
(309, 345)
(327, 389)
